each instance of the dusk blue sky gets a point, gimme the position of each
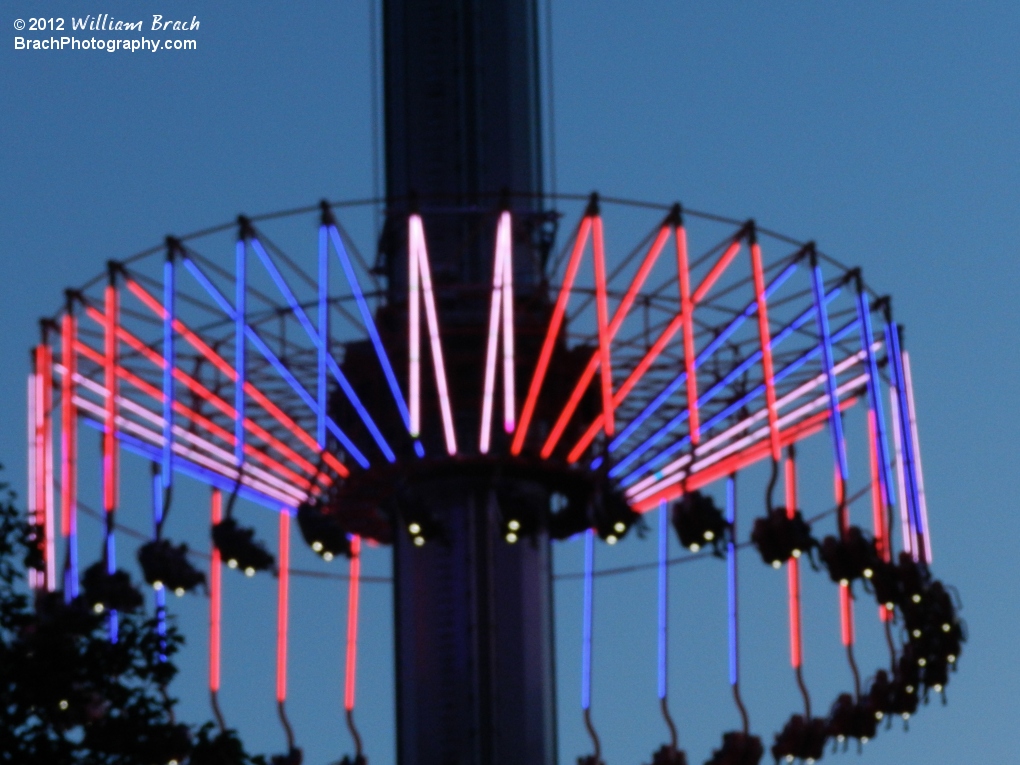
(886, 132)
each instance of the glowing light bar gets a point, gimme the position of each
(369, 322)
(320, 341)
(352, 623)
(687, 312)
(414, 334)
(602, 318)
(717, 270)
(33, 473)
(160, 593)
(679, 380)
(216, 360)
(323, 345)
(281, 611)
(622, 310)
(663, 598)
(731, 580)
(766, 345)
(68, 427)
(169, 363)
(555, 322)
(906, 531)
(793, 568)
(497, 310)
(509, 368)
(877, 498)
(239, 372)
(908, 475)
(836, 423)
(846, 612)
(875, 396)
(215, 597)
(110, 382)
(45, 378)
(419, 258)
(916, 444)
(589, 569)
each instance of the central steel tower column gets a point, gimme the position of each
(474, 649)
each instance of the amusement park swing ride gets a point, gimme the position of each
(477, 394)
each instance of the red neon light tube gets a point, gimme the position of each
(215, 598)
(44, 459)
(550, 337)
(110, 450)
(33, 472)
(593, 363)
(281, 613)
(68, 427)
(602, 316)
(878, 507)
(846, 612)
(218, 361)
(739, 461)
(793, 569)
(687, 312)
(717, 271)
(352, 623)
(765, 336)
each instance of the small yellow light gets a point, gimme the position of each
(916, 598)
(514, 525)
(840, 737)
(951, 658)
(317, 546)
(864, 739)
(868, 573)
(879, 715)
(327, 556)
(695, 547)
(63, 703)
(619, 527)
(917, 633)
(910, 689)
(776, 564)
(906, 715)
(938, 687)
(946, 628)
(796, 553)
(511, 537)
(98, 608)
(844, 582)
(414, 528)
(157, 586)
(922, 662)
(709, 536)
(890, 605)
(611, 539)
(249, 571)
(179, 592)
(419, 541)
(231, 563)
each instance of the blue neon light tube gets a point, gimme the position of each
(731, 579)
(663, 597)
(169, 362)
(274, 361)
(706, 353)
(320, 420)
(320, 342)
(369, 322)
(782, 374)
(746, 364)
(906, 432)
(835, 419)
(160, 594)
(240, 355)
(875, 395)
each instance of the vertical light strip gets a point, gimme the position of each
(916, 445)
(45, 378)
(793, 567)
(435, 344)
(491, 343)
(159, 593)
(320, 420)
(878, 516)
(414, 328)
(586, 636)
(835, 422)
(353, 592)
(663, 598)
(555, 321)
(169, 363)
(875, 395)
(896, 363)
(369, 322)
(240, 345)
(215, 597)
(509, 370)
(687, 312)
(731, 579)
(110, 446)
(846, 604)
(602, 317)
(765, 337)
(33, 473)
(69, 453)
(281, 612)
(906, 531)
